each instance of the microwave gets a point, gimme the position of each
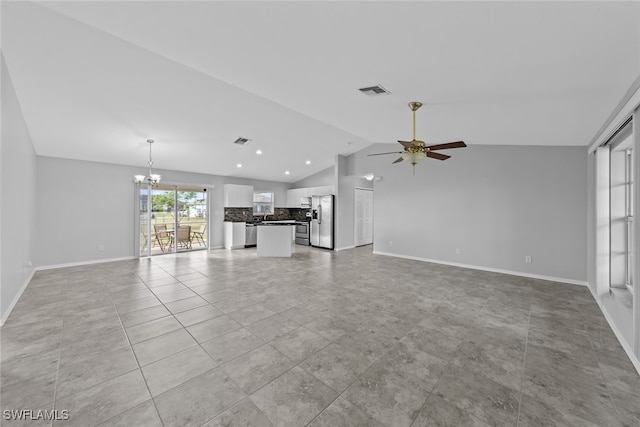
(305, 202)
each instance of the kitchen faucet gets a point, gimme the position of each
(265, 214)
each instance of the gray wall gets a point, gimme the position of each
(18, 195)
(319, 179)
(84, 204)
(496, 203)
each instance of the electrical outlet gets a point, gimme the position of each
(527, 259)
(100, 248)
(457, 251)
(390, 242)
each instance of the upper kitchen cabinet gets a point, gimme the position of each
(238, 196)
(295, 195)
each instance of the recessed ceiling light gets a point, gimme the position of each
(239, 165)
(287, 172)
(258, 151)
(308, 162)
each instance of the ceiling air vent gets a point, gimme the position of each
(374, 90)
(241, 141)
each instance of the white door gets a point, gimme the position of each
(363, 217)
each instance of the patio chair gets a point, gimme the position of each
(183, 237)
(198, 236)
(162, 237)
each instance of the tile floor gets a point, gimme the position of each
(345, 338)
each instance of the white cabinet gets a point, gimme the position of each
(234, 234)
(293, 197)
(274, 241)
(295, 194)
(238, 196)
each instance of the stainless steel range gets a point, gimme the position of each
(303, 231)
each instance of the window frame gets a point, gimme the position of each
(270, 207)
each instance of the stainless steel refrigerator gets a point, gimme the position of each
(322, 220)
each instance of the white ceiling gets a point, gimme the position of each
(96, 79)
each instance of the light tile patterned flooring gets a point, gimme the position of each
(223, 338)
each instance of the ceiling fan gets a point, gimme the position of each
(416, 150)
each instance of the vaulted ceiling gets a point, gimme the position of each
(96, 79)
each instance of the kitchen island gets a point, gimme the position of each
(274, 240)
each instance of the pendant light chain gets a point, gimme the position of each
(150, 141)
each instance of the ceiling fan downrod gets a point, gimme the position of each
(414, 107)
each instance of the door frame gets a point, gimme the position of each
(355, 217)
(136, 214)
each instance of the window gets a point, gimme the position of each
(262, 203)
(621, 215)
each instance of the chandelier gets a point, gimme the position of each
(152, 179)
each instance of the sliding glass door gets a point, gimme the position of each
(172, 219)
(621, 214)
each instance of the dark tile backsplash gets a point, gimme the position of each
(280, 214)
(238, 214)
(287, 213)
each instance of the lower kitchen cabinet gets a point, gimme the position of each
(234, 235)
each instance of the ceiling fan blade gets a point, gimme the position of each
(382, 154)
(437, 156)
(399, 160)
(457, 144)
(406, 143)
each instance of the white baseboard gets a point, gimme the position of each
(344, 248)
(627, 348)
(5, 316)
(493, 270)
(80, 263)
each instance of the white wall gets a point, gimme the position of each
(591, 222)
(496, 203)
(319, 179)
(345, 202)
(85, 204)
(18, 195)
(345, 183)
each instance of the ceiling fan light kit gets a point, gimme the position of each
(415, 150)
(413, 158)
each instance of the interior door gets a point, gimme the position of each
(363, 217)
